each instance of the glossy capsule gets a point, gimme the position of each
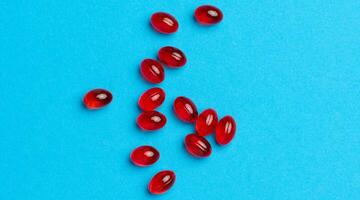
(197, 145)
(206, 122)
(151, 99)
(172, 57)
(208, 15)
(151, 120)
(164, 23)
(152, 71)
(225, 130)
(161, 182)
(144, 156)
(97, 98)
(185, 109)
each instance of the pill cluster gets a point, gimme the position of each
(149, 119)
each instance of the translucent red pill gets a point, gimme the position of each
(185, 109)
(97, 98)
(206, 122)
(164, 23)
(151, 120)
(152, 71)
(151, 99)
(144, 156)
(208, 15)
(161, 182)
(197, 145)
(225, 130)
(172, 57)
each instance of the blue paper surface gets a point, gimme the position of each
(287, 71)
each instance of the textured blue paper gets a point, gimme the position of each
(288, 71)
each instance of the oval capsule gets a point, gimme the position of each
(152, 71)
(197, 145)
(97, 98)
(144, 156)
(185, 109)
(225, 130)
(172, 57)
(164, 23)
(151, 99)
(208, 15)
(151, 120)
(161, 182)
(206, 122)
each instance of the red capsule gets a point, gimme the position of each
(97, 98)
(144, 156)
(164, 23)
(208, 15)
(162, 182)
(151, 99)
(151, 120)
(185, 109)
(172, 57)
(152, 71)
(197, 145)
(225, 130)
(206, 122)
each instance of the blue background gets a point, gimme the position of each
(288, 71)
